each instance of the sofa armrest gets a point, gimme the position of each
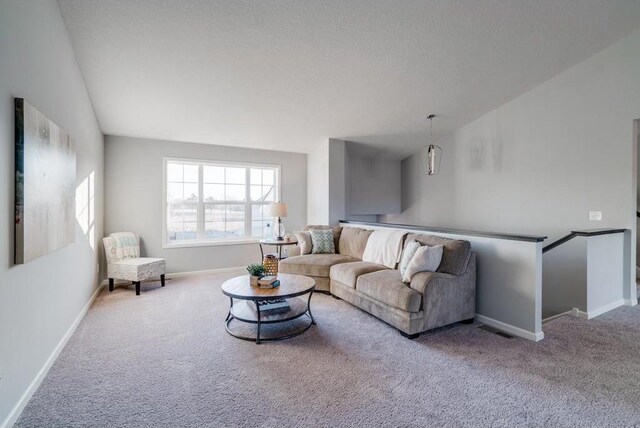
(421, 281)
(447, 298)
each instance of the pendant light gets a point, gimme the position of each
(434, 153)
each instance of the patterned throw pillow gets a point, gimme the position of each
(322, 241)
(409, 251)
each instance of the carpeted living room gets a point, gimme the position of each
(226, 213)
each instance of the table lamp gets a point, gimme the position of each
(278, 210)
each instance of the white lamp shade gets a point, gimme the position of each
(278, 209)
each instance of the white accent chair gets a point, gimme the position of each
(124, 262)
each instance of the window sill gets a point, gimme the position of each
(190, 244)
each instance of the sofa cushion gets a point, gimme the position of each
(386, 286)
(337, 230)
(136, 269)
(348, 273)
(312, 264)
(455, 255)
(353, 241)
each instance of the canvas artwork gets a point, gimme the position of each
(45, 185)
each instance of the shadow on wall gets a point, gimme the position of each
(485, 155)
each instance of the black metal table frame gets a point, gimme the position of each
(259, 322)
(278, 244)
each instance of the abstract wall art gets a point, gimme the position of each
(45, 185)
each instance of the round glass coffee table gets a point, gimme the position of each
(245, 308)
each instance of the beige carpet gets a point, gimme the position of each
(164, 360)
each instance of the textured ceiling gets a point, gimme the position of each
(286, 75)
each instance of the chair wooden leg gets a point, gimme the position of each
(110, 285)
(162, 280)
(137, 283)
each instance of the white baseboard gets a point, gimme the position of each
(35, 383)
(511, 329)
(630, 302)
(599, 311)
(239, 269)
(552, 317)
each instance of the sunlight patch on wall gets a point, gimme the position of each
(85, 208)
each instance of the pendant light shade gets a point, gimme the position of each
(434, 156)
(434, 153)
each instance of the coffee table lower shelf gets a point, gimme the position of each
(241, 311)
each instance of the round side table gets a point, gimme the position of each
(275, 243)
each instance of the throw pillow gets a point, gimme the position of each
(409, 251)
(322, 241)
(304, 242)
(337, 230)
(426, 259)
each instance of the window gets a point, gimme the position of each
(208, 202)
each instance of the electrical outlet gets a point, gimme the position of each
(595, 215)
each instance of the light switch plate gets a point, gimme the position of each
(595, 215)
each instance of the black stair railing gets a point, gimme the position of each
(575, 233)
(559, 242)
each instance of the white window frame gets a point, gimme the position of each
(247, 239)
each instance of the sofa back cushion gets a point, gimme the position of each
(353, 241)
(455, 255)
(337, 230)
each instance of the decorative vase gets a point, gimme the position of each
(254, 280)
(278, 230)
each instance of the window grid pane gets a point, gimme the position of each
(208, 201)
(261, 222)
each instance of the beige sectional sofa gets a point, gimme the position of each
(432, 299)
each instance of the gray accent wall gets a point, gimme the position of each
(40, 301)
(347, 182)
(373, 186)
(539, 163)
(134, 196)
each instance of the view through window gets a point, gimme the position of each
(208, 201)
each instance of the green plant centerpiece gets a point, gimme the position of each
(256, 271)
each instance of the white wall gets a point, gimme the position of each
(133, 196)
(318, 184)
(40, 300)
(326, 183)
(540, 163)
